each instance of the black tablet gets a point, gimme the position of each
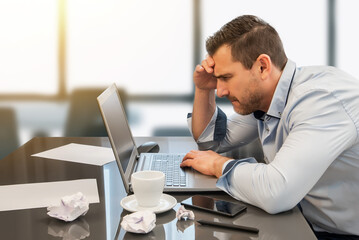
(214, 205)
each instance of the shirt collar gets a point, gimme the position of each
(281, 92)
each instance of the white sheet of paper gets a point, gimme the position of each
(37, 195)
(79, 153)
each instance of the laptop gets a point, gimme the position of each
(129, 160)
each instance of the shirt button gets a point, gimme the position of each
(267, 129)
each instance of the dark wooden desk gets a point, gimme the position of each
(103, 219)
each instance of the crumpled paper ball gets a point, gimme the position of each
(185, 214)
(139, 222)
(70, 208)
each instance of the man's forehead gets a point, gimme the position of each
(222, 59)
(222, 68)
(217, 71)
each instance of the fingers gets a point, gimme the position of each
(210, 61)
(187, 163)
(208, 64)
(199, 68)
(202, 161)
(190, 155)
(187, 160)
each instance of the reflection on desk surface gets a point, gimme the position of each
(78, 229)
(272, 227)
(103, 219)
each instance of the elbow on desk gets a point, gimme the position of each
(277, 208)
(276, 197)
(278, 203)
(275, 192)
(271, 202)
(264, 186)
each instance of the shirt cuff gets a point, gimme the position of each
(224, 182)
(207, 134)
(220, 127)
(228, 165)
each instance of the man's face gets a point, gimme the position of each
(239, 85)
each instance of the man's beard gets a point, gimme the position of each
(249, 105)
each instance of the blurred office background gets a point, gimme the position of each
(56, 56)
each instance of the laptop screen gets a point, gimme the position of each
(113, 113)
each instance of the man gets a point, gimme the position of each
(307, 120)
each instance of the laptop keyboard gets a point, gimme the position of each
(169, 164)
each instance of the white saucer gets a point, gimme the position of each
(167, 202)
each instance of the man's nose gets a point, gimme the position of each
(221, 89)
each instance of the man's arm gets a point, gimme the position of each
(204, 103)
(312, 145)
(203, 109)
(316, 139)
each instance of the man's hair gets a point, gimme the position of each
(249, 36)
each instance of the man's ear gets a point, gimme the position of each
(265, 65)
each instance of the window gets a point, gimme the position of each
(28, 47)
(302, 25)
(347, 36)
(143, 46)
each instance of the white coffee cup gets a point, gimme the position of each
(148, 187)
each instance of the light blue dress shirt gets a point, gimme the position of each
(310, 143)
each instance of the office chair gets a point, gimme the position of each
(9, 140)
(84, 117)
(171, 131)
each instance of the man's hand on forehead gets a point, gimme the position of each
(208, 64)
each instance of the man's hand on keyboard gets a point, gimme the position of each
(206, 162)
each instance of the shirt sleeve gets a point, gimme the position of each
(227, 170)
(224, 134)
(319, 130)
